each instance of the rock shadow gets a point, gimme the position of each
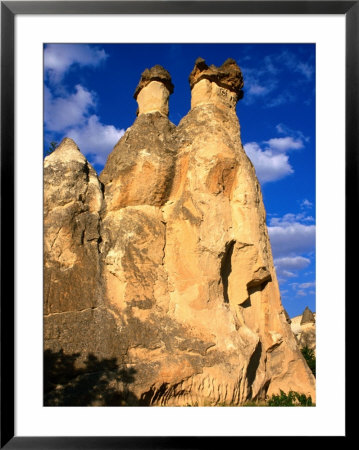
(226, 268)
(257, 287)
(94, 382)
(252, 368)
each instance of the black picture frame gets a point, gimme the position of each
(9, 9)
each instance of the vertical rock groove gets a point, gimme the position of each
(253, 367)
(226, 268)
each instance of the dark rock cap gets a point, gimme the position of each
(156, 73)
(228, 75)
(307, 316)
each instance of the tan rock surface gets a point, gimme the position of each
(153, 91)
(190, 301)
(141, 167)
(304, 329)
(76, 320)
(72, 203)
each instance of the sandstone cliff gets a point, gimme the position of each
(160, 272)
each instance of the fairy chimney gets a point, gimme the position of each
(219, 85)
(153, 91)
(163, 265)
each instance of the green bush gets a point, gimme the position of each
(309, 356)
(290, 399)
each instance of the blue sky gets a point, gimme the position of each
(88, 96)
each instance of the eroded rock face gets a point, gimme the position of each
(140, 169)
(304, 329)
(72, 203)
(218, 258)
(184, 271)
(77, 324)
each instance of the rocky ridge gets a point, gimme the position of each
(160, 271)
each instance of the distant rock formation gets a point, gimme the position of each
(304, 329)
(162, 266)
(307, 316)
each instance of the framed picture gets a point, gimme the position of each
(315, 41)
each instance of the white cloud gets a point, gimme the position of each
(68, 110)
(303, 289)
(284, 129)
(306, 204)
(284, 144)
(95, 139)
(261, 81)
(58, 58)
(286, 274)
(257, 83)
(290, 218)
(72, 114)
(292, 262)
(270, 166)
(281, 129)
(290, 237)
(305, 69)
(307, 285)
(293, 63)
(280, 99)
(270, 159)
(289, 266)
(256, 89)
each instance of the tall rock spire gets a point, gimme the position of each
(153, 91)
(218, 255)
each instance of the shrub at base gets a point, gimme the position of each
(290, 399)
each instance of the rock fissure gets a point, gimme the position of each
(74, 311)
(226, 268)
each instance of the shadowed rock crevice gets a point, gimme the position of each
(257, 287)
(146, 397)
(247, 303)
(262, 393)
(252, 367)
(226, 268)
(160, 393)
